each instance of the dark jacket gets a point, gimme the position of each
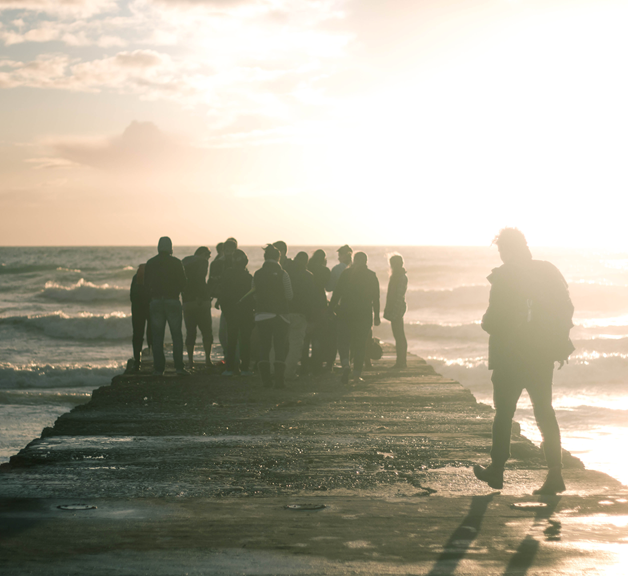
(395, 306)
(139, 293)
(305, 295)
(529, 315)
(164, 277)
(321, 274)
(357, 294)
(196, 270)
(217, 267)
(270, 295)
(234, 285)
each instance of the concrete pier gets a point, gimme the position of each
(212, 475)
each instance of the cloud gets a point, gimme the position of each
(142, 146)
(60, 7)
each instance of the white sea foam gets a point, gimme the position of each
(84, 326)
(84, 291)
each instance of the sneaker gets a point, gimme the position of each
(358, 380)
(345, 376)
(157, 373)
(228, 373)
(552, 485)
(182, 373)
(491, 475)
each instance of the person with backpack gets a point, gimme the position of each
(528, 320)
(197, 304)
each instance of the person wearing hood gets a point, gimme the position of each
(395, 308)
(165, 279)
(140, 315)
(356, 300)
(197, 304)
(273, 292)
(528, 320)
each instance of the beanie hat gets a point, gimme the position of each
(165, 245)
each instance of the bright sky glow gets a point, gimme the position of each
(319, 122)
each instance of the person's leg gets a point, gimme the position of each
(205, 326)
(138, 320)
(245, 328)
(344, 339)
(174, 316)
(158, 327)
(265, 335)
(222, 333)
(190, 314)
(149, 330)
(280, 344)
(401, 345)
(332, 341)
(361, 334)
(232, 341)
(296, 336)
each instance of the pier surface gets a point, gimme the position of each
(211, 475)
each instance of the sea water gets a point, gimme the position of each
(65, 329)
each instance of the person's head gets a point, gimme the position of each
(219, 248)
(165, 245)
(301, 260)
(140, 274)
(360, 259)
(203, 251)
(318, 258)
(229, 247)
(271, 253)
(232, 239)
(345, 254)
(396, 262)
(240, 259)
(512, 245)
(281, 246)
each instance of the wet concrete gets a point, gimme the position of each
(197, 475)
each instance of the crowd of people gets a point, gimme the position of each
(292, 317)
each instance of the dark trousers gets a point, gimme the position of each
(166, 311)
(401, 346)
(352, 335)
(239, 328)
(273, 333)
(198, 314)
(509, 381)
(140, 319)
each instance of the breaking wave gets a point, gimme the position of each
(84, 292)
(55, 376)
(85, 326)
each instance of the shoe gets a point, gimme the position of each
(279, 370)
(552, 485)
(265, 374)
(246, 374)
(345, 376)
(157, 373)
(182, 373)
(228, 373)
(358, 380)
(491, 475)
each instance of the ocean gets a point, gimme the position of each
(65, 329)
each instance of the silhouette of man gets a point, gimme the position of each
(197, 303)
(330, 342)
(165, 278)
(528, 320)
(285, 262)
(357, 296)
(273, 293)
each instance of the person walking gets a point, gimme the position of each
(140, 316)
(302, 309)
(528, 320)
(356, 300)
(237, 306)
(197, 304)
(165, 279)
(395, 308)
(273, 293)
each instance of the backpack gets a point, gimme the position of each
(544, 315)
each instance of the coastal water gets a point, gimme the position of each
(65, 330)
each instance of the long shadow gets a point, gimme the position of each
(524, 556)
(462, 537)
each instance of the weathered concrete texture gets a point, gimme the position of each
(193, 476)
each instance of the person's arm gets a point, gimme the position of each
(288, 287)
(376, 301)
(338, 291)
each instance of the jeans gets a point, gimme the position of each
(401, 346)
(140, 318)
(166, 311)
(273, 333)
(296, 335)
(198, 314)
(352, 335)
(509, 381)
(239, 327)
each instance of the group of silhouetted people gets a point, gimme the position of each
(292, 317)
(299, 330)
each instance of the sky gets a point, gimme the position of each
(371, 122)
